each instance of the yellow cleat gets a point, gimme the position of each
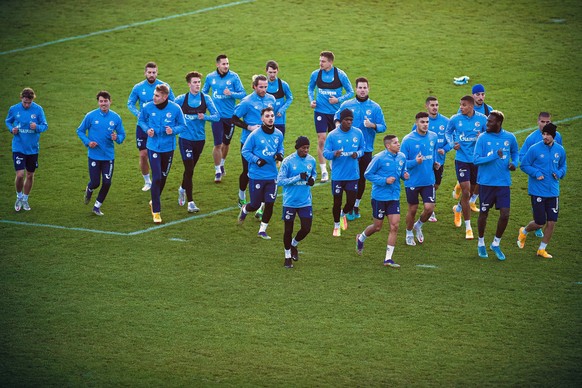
(457, 191)
(344, 222)
(474, 207)
(521, 237)
(157, 218)
(543, 253)
(457, 217)
(469, 234)
(337, 232)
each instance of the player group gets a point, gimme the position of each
(346, 123)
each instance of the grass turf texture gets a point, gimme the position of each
(204, 302)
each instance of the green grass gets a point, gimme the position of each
(204, 302)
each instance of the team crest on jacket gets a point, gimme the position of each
(168, 115)
(355, 139)
(369, 112)
(33, 116)
(477, 124)
(93, 164)
(557, 155)
(112, 123)
(506, 143)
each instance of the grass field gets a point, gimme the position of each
(200, 301)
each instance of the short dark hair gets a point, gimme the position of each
(430, 98)
(105, 94)
(257, 78)
(362, 79)
(420, 115)
(267, 109)
(272, 64)
(328, 54)
(193, 74)
(469, 99)
(151, 65)
(221, 57)
(544, 114)
(388, 138)
(28, 93)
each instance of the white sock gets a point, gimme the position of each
(217, 169)
(543, 245)
(294, 242)
(98, 204)
(468, 225)
(409, 233)
(481, 242)
(24, 197)
(474, 198)
(242, 195)
(389, 251)
(363, 236)
(323, 168)
(418, 224)
(222, 162)
(336, 225)
(263, 227)
(287, 253)
(147, 179)
(357, 204)
(496, 241)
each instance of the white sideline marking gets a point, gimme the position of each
(154, 228)
(426, 266)
(126, 26)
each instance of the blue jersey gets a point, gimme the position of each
(218, 82)
(143, 93)
(296, 192)
(250, 109)
(98, 127)
(26, 141)
(543, 160)
(533, 138)
(494, 170)
(329, 84)
(158, 119)
(362, 110)
(438, 125)
(194, 126)
(414, 143)
(261, 145)
(385, 165)
(345, 168)
(283, 96)
(464, 130)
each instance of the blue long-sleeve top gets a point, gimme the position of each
(218, 82)
(250, 109)
(26, 141)
(438, 125)
(494, 170)
(194, 126)
(345, 167)
(262, 145)
(384, 165)
(362, 110)
(413, 144)
(153, 117)
(543, 160)
(283, 96)
(98, 127)
(465, 130)
(323, 95)
(533, 138)
(143, 92)
(296, 192)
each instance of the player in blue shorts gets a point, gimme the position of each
(194, 105)
(330, 81)
(162, 120)
(461, 133)
(248, 116)
(262, 150)
(226, 89)
(420, 149)
(437, 123)
(385, 171)
(535, 137)
(344, 146)
(496, 155)
(368, 118)
(100, 130)
(282, 93)
(296, 175)
(142, 93)
(25, 121)
(545, 163)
